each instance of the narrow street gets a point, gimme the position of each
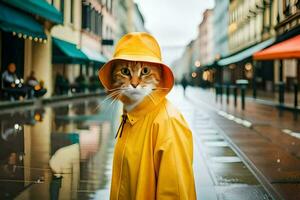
(64, 150)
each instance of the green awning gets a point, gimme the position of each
(94, 56)
(19, 23)
(67, 53)
(38, 7)
(245, 53)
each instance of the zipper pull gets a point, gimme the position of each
(124, 117)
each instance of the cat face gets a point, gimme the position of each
(134, 80)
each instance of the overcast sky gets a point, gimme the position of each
(173, 22)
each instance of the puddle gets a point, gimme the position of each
(58, 152)
(232, 173)
(220, 151)
(226, 159)
(216, 144)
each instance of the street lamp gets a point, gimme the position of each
(194, 74)
(197, 63)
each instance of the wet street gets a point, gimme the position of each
(64, 151)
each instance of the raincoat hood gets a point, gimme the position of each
(137, 46)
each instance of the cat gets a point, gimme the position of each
(132, 81)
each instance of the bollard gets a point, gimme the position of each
(296, 95)
(217, 92)
(243, 92)
(295, 101)
(221, 93)
(281, 93)
(227, 93)
(235, 95)
(243, 85)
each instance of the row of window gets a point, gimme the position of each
(92, 20)
(91, 15)
(251, 7)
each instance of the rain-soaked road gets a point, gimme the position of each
(61, 151)
(64, 151)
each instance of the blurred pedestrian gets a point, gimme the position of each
(36, 87)
(184, 84)
(62, 84)
(12, 85)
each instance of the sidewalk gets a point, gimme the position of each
(265, 139)
(220, 173)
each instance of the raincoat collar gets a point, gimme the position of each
(146, 106)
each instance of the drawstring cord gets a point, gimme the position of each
(124, 117)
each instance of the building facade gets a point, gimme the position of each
(65, 38)
(28, 46)
(206, 35)
(220, 21)
(251, 28)
(288, 26)
(139, 21)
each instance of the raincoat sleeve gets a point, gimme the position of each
(173, 161)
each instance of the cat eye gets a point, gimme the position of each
(145, 71)
(125, 71)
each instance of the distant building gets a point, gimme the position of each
(184, 65)
(220, 23)
(286, 69)
(125, 17)
(98, 25)
(138, 19)
(67, 34)
(250, 29)
(288, 26)
(206, 33)
(248, 22)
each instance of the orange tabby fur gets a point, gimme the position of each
(135, 81)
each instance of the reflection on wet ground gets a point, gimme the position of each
(220, 173)
(62, 151)
(232, 179)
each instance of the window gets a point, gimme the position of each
(111, 6)
(101, 25)
(286, 7)
(85, 13)
(92, 25)
(96, 22)
(71, 11)
(62, 7)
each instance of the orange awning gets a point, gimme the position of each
(287, 49)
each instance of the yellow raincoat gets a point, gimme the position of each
(154, 149)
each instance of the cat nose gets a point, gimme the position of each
(134, 85)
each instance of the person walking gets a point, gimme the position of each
(184, 84)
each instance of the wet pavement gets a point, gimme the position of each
(64, 151)
(259, 134)
(220, 173)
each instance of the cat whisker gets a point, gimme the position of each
(112, 103)
(160, 89)
(108, 97)
(115, 89)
